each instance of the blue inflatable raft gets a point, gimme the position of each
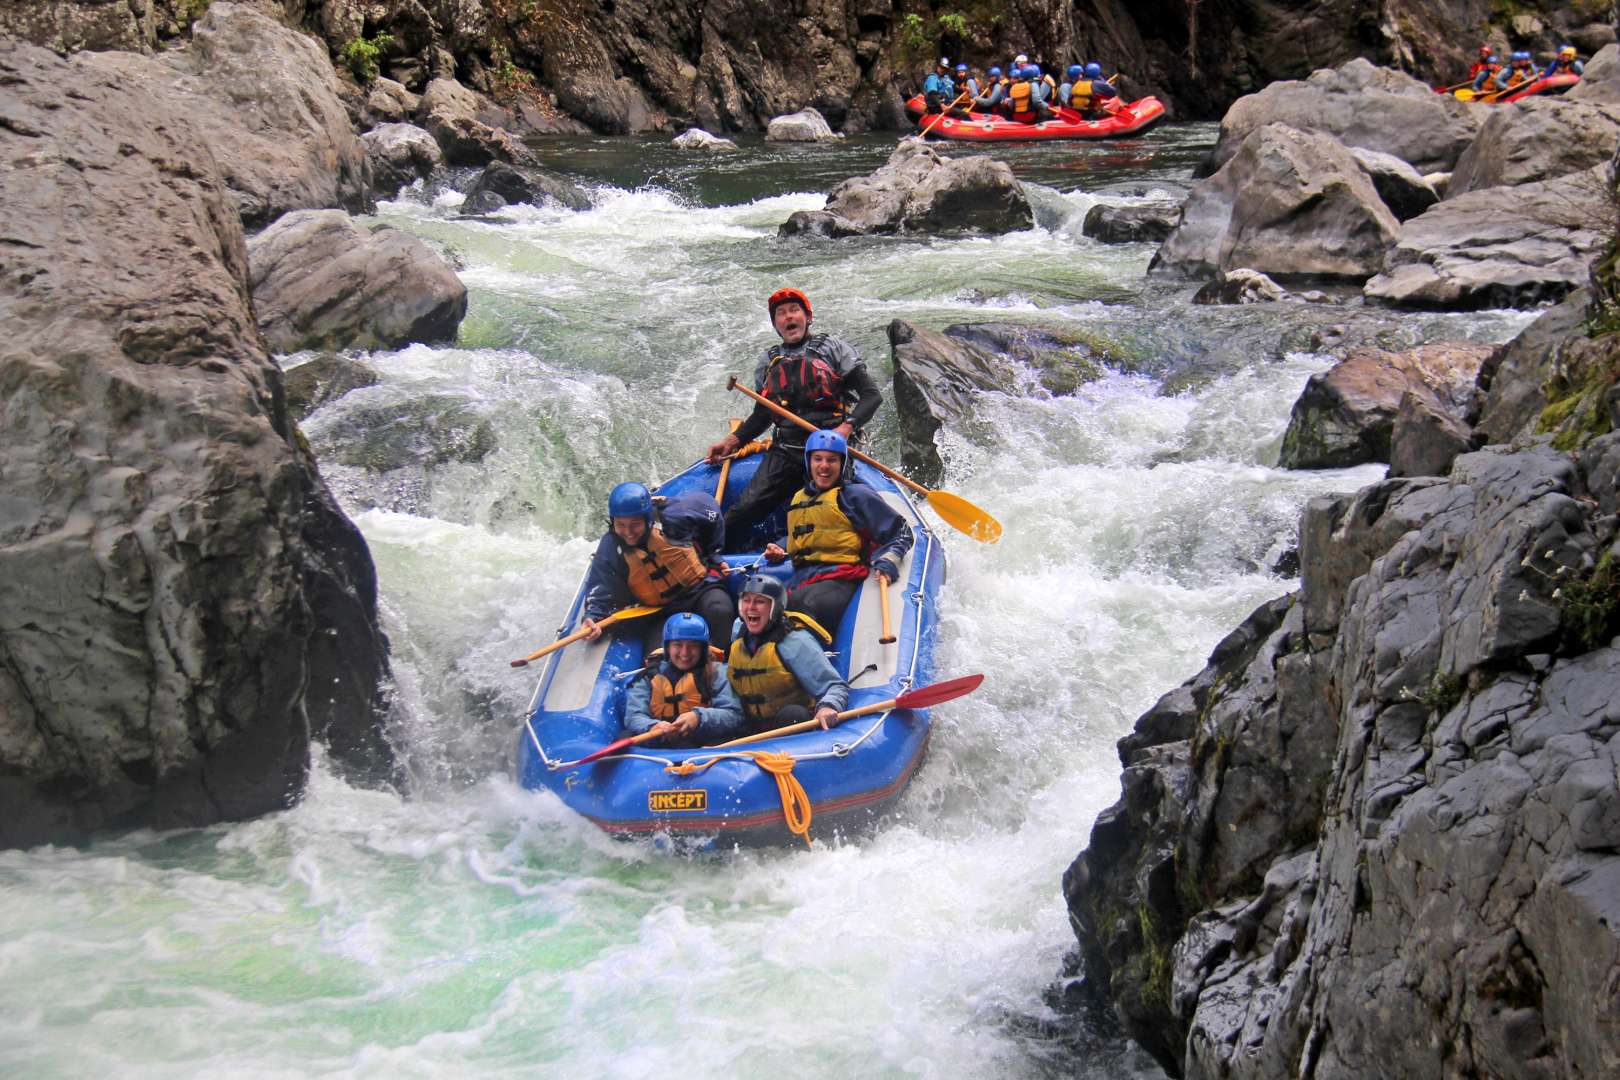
(850, 774)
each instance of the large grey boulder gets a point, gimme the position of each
(400, 155)
(270, 100)
(1404, 190)
(1134, 224)
(321, 282)
(918, 190)
(1346, 415)
(450, 111)
(325, 378)
(1513, 381)
(1395, 786)
(806, 125)
(1500, 247)
(1290, 204)
(1600, 82)
(1537, 139)
(501, 184)
(698, 139)
(1241, 286)
(184, 603)
(1359, 104)
(936, 376)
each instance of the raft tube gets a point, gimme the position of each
(1552, 84)
(851, 774)
(1122, 121)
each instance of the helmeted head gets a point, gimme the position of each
(994, 73)
(1034, 71)
(1521, 57)
(684, 626)
(757, 616)
(1494, 60)
(630, 508)
(1485, 49)
(1021, 59)
(824, 472)
(944, 64)
(790, 314)
(1075, 70)
(1093, 70)
(961, 69)
(1566, 52)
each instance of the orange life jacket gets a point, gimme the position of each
(670, 699)
(1018, 96)
(659, 570)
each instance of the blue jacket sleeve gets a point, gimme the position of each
(891, 536)
(723, 719)
(694, 518)
(801, 654)
(1103, 90)
(636, 699)
(606, 587)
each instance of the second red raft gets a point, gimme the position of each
(1120, 122)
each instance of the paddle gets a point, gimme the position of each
(920, 698)
(1449, 89)
(887, 636)
(615, 746)
(942, 113)
(606, 620)
(725, 469)
(957, 511)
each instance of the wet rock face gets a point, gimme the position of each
(400, 155)
(1500, 247)
(1240, 286)
(1404, 190)
(501, 185)
(174, 577)
(1290, 204)
(698, 139)
(450, 113)
(321, 282)
(1131, 224)
(806, 125)
(918, 190)
(270, 102)
(1346, 415)
(1449, 843)
(1361, 105)
(1537, 139)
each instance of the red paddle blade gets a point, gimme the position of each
(610, 748)
(924, 696)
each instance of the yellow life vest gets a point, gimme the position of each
(763, 683)
(1018, 96)
(670, 699)
(1080, 96)
(820, 532)
(661, 569)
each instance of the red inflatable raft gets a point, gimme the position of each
(1552, 84)
(1120, 121)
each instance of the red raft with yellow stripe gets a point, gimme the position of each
(1122, 120)
(764, 793)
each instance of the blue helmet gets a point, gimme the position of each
(1075, 70)
(767, 586)
(1094, 70)
(630, 499)
(685, 626)
(961, 69)
(1034, 71)
(825, 440)
(994, 73)
(1494, 59)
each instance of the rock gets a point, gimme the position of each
(1425, 438)
(184, 604)
(1345, 415)
(417, 432)
(269, 98)
(388, 102)
(1290, 204)
(400, 155)
(90, 26)
(1537, 139)
(1394, 795)
(325, 378)
(449, 112)
(321, 282)
(936, 375)
(1361, 105)
(1500, 247)
(1600, 81)
(1406, 192)
(918, 190)
(1439, 181)
(819, 223)
(1131, 224)
(1590, 39)
(1512, 380)
(1240, 287)
(698, 139)
(501, 184)
(806, 125)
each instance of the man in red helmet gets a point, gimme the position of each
(820, 378)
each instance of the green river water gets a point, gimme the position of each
(470, 928)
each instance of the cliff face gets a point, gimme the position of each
(633, 65)
(1379, 834)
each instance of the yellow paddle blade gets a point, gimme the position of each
(629, 613)
(1465, 94)
(963, 515)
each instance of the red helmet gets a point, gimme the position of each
(1486, 50)
(782, 296)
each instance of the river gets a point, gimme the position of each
(474, 929)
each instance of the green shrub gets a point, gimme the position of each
(360, 55)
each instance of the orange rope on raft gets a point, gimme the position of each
(796, 808)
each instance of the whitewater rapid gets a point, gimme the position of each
(470, 928)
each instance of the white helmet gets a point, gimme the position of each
(1021, 58)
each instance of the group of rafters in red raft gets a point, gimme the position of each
(1026, 105)
(1492, 81)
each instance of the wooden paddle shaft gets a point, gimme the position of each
(806, 725)
(887, 637)
(725, 469)
(929, 126)
(622, 613)
(733, 384)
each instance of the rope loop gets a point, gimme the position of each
(796, 808)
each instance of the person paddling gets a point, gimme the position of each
(821, 379)
(665, 557)
(1088, 94)
(1564, 63)
(1519, 72)
(838, 534)
(1486, 72)
(683, 696)
(776, 664)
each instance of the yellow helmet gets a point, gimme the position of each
(1567, 50)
